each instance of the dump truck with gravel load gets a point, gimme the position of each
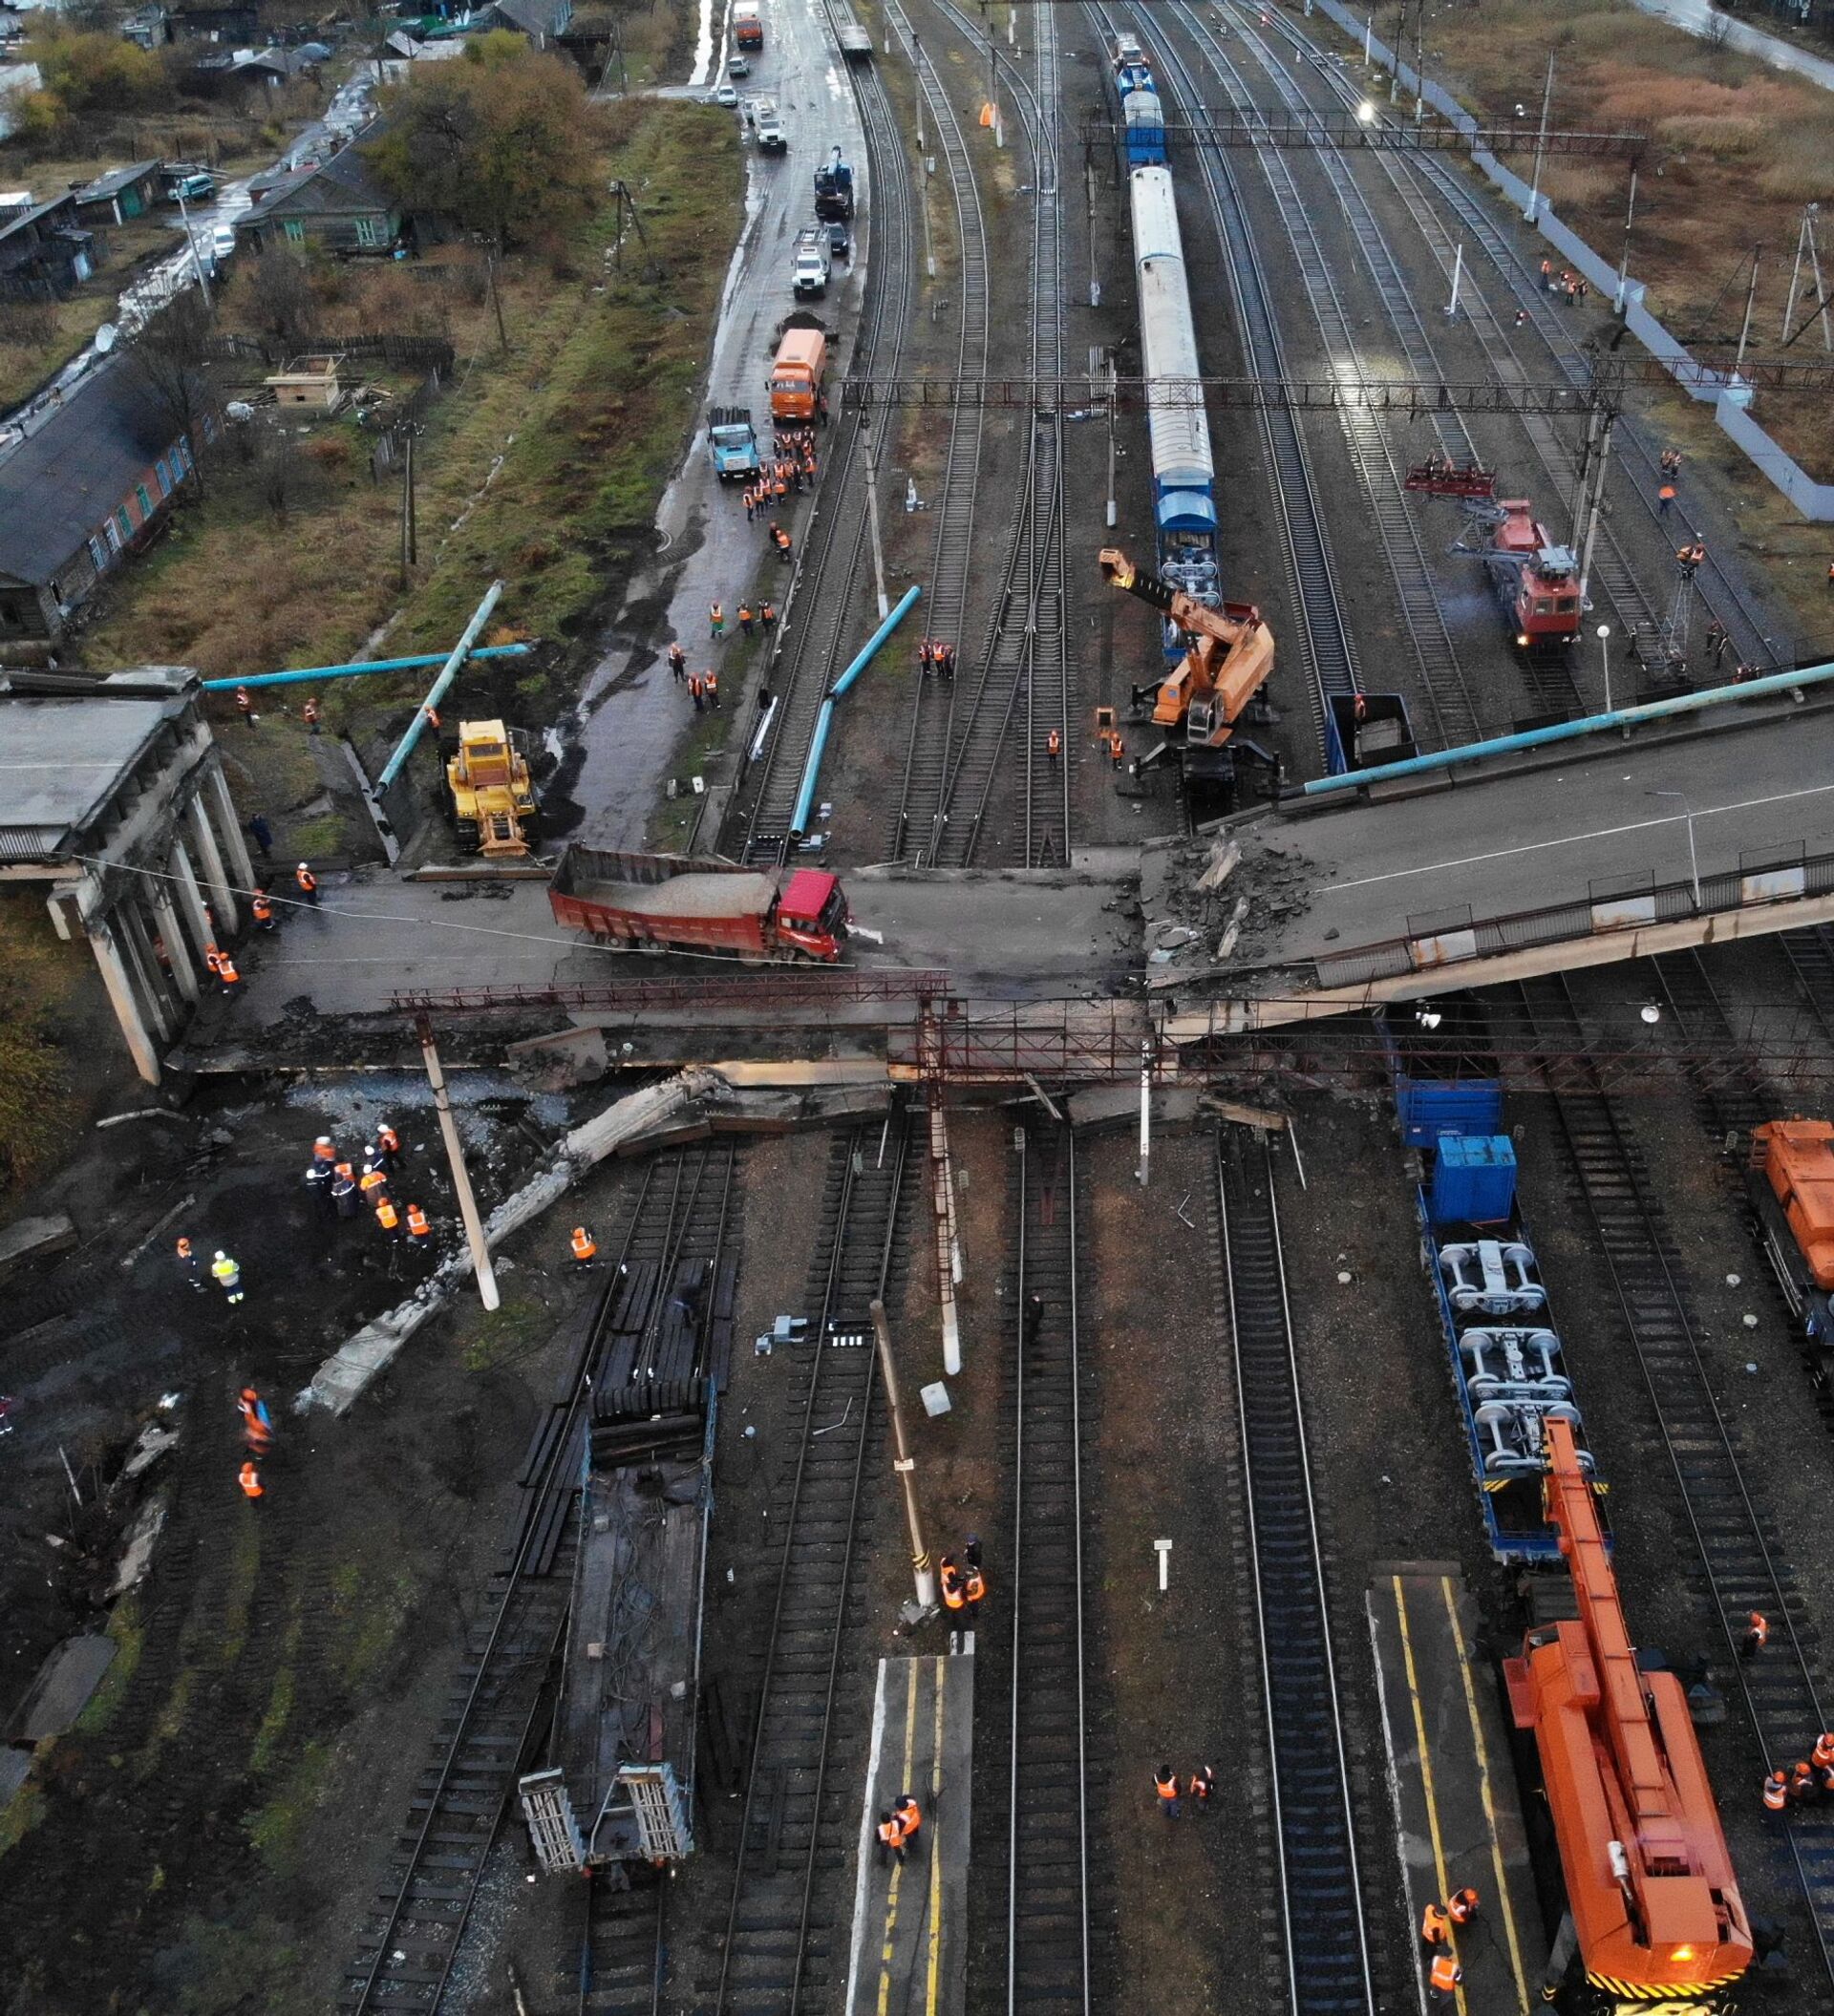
(670, 901)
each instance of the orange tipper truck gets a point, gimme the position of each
(796, 377)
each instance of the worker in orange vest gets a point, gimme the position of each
(249, 1478)
(585, 1245)
(1776, 1792)
(716, 622)
(1054, 747)
(1116, 748)
(257, 1426)
(1664, 498)
(246, 704)
(694, 687)
(1824, 1751)
(212, 957)
(308, 883)
(374, 1185)
(974, 1581)
(1444, 1976)
(1802, 1785)
(710, 682)
(344, 1198)
(190, 1263)
(388, 1146)
(419, 1232)
(263, 910)
(1757, 1635)
(954, 1589)
(745, 618)
(388, 1219)
(310, 711)
(226, 975)
(1436, 1927)
(1202, 1784)
(905, 1813)
(767, 616)
(1165, 1785)
(891, 1839)
(1462, 1905)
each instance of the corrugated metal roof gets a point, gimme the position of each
(57, 486)
(111, 184)
(343, 184)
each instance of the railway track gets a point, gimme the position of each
(1726, 1516)
(1314, 1821)
(1318, 624)
(788, 1920)
(1634, 460)
(1050, 1932)
(622, 1946)
(823, 618)
(1372, 454)
(919, 816)
(416, 1925)
(1022, 683)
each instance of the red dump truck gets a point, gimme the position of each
(747, 25)
(659, 900)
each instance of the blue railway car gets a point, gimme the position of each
(1143, 120)
(1132, 71)
(1178, 430)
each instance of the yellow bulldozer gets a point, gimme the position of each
(493, 795)
(1228, 662)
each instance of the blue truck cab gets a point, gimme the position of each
(732, 443)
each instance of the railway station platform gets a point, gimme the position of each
(909, 1949)
(1454, 1794)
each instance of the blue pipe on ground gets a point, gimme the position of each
(360, 667)
(437, 691)
(824, 719)
(1572, 730)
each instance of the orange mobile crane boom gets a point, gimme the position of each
(1225, 667)
(1650, 1884)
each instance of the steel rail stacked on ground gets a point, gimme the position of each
(1048, 1963)
(1728, 1521)
(1321, 1897)
(1025, 656)
(932, 706)
(1312, 575)
(782, 1937)
(408, 1951)
(1372, 453)
(823, 616)
(1750, 640)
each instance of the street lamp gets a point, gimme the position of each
(1693, 859)
(1605, 660)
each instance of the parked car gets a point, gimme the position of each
(840, 244)
(726, 95)
(223, 241)
(195, 188)
(738, 67)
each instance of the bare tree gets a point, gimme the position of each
(277, 475)
(168, 357)
(278, 294)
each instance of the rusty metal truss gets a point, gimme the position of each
(803, 987)
(1250, 128)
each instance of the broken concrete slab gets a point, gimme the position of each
(137, 1552)
(60, 1690)
(55, 1232)
(559, 1062)
(1110, 1105)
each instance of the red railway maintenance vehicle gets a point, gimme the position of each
(1536, 579)
(1651, 1893)
(660, 903)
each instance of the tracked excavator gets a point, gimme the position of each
(1228, 661)
(1652, 1896)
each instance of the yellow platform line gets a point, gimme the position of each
(892, 1888)
(1490, 1804)
(1426, 1772)
(934, 1987)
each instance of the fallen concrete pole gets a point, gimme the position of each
(345, 1375)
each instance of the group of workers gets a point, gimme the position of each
(1439, 1923)
(963, 1584)
(258, 1433)
(1808, 1779)
(1199, 1786)
(790, 471)
(341, 1192)
(223, 1271)
(935, 658)
(899, 1829)
(1568, 286)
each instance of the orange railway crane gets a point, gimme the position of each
(1650, 1884)
(1230, 655)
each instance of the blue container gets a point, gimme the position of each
(1430, 1107)
(1474, 1179)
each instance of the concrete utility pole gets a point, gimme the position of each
(1533, 210)
(904, 1463)
(1624, 258)
(1113, 396)
(872, 519)
(1145, 1113)
(461, 1176)
(1751, 302)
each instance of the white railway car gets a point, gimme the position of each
(1184, 468)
